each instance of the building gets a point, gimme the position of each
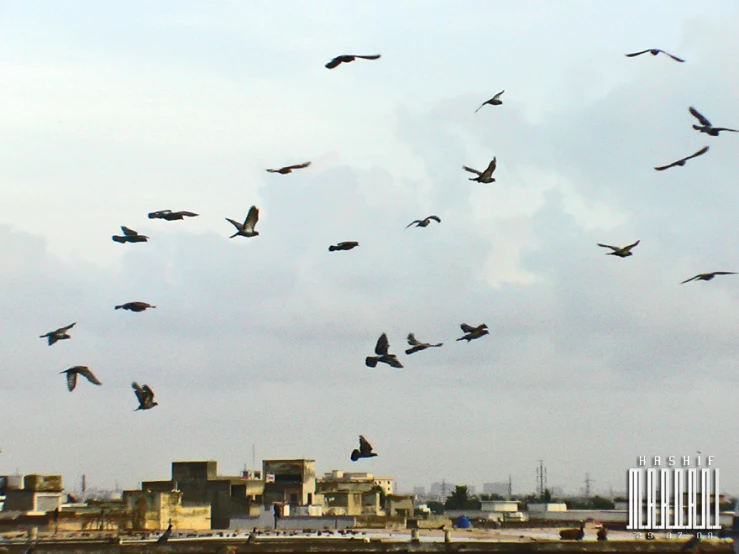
(353, 494)
(503, 510)
(289, 481)
(200, 484)
(501, 489)
(33, 494)
(155, 510)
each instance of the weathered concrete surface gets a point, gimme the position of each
(359, 546)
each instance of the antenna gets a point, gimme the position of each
(254, 457)
(541, 477)
(510, 487)
(588, 482)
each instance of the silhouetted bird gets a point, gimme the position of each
(494, 101)
(365, 450)
(482, 176)
(381, 349)
(169, 215)
(145, 396)
(246, 229)
(288, 169)
(418, 346)
(472, 333)
(129, 235)
(682, 161)
(135, 306)
(348, 245)
(424, 222)
(654, 52)
(708, 276)
(72, 373)
(346, 58)
(705, 126)
(59, 334)
(620, 251)
(165, 536)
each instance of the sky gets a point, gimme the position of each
(113, 110)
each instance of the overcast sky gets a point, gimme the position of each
(111, 110)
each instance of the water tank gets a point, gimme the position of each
(15, 481)
(463, 522)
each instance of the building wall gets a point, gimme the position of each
(154, 510)
(294, 481)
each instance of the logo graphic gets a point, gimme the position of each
(672, 497)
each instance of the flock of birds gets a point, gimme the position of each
(145, 395)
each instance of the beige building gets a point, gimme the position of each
(154, 510)
(199, 483)
(353, 494)
(33, 494)
(289, 481)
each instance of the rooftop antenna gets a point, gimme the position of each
(510, 487)
(254, 457)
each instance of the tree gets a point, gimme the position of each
(461, 500)
(437, 508)
(546, 496)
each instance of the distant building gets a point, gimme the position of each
(441, 490)
(419, 492)
(345, 493)
(498, 488)
(289, 481)
(33, 494)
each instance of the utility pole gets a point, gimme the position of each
(541, 477)
(510, 487)
(588, 482)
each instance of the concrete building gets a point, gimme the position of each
(499, 488)
(503, 510)
(200, 484)
(289, 481)
(347, 493)
(155, 510)
(33, 494)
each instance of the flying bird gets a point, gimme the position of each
(494, 101)
(72, 373)
(165, 536)
(289, 168)
(59, 334)
(682, 161)
(708, 276)
(417, 346)
(145, 396)
(424, 222)
(129, 235)
(705, 126)
(482, 176)
(365, 450)
(169, 215)
(135, 306)
(381, 349)
(348, 245)
(654, 52)
(346, 58)
(472, 333)
(620, 251)
(246, 229)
